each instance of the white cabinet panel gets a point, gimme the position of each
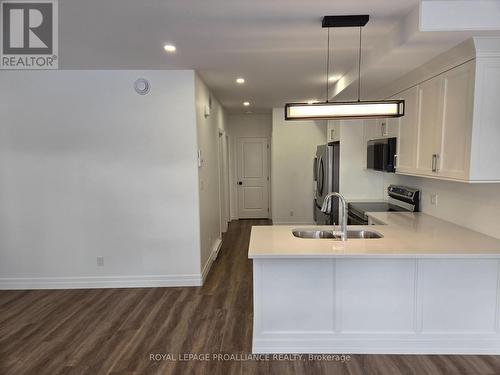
(288, 304)
(458, 295)
(381, 128)
(485, 150)
(377, 305)
(429, 124)
(376, 295)
(454, 154)
(407, 138)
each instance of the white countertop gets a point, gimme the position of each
(406, 235)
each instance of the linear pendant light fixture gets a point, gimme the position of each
(344, 110)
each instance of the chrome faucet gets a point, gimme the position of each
(343, 212)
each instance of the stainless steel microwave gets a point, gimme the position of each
(381, 154)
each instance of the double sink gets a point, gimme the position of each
(328, 234)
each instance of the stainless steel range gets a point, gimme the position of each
(400, 198)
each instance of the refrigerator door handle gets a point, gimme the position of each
(315, 168)
(321, 177)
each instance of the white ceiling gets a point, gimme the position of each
(278, 46)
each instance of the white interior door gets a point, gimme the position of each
(253, 177)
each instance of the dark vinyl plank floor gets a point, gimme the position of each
(114, 331)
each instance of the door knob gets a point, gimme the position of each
(240, 183)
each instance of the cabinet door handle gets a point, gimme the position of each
(437, 163)
(395, 161)
(434, 160)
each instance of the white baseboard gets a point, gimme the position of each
(97, 282)
(365, 345)
(213, 256)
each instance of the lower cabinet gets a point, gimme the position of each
(376, 305)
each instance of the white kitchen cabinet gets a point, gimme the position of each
(429, 118)
(333, 131)
(453, 156)
(407, 146)
(450, 129)
(485, 138)
(381, 128)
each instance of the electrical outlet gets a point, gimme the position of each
(434, 199)
(291, 213)
(100, 261)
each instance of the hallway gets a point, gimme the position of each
(105, 331)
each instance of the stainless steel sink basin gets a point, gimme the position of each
(351, 234)
(306, 233)
(363, 234)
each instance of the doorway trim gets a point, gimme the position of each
(223, 169)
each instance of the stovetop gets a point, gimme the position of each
(361, 208)
(375, 206)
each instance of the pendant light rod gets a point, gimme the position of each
(359, 66)
(328, 66)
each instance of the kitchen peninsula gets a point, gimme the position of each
(425, 286)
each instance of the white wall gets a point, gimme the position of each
(476, 206)
(89, 168)
(246, 125)
(293, 149)
(357, 182)
(208, 174)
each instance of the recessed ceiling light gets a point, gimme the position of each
(169, 48)
(240, 80)
(246, 104)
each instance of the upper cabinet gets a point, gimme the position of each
(381, 128)
(429, 122)
(453, 152)
(451, 127)
(333, 131)
(408, 133)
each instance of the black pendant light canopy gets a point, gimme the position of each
(344, 110)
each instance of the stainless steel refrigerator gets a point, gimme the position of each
(326, 180)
